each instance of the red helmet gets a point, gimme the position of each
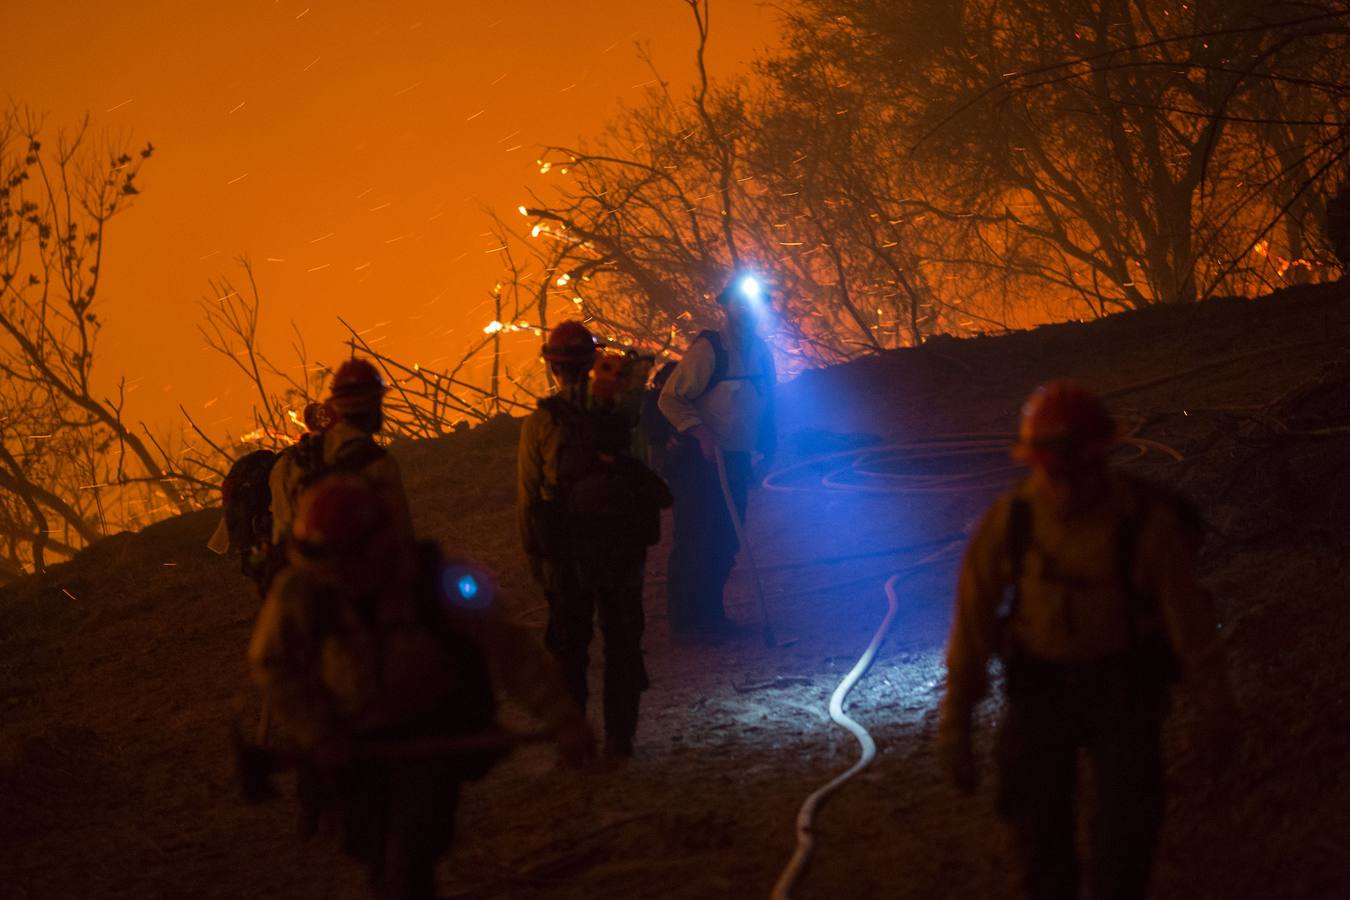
(357, 386)
(570, 342)
(341, 517)
(1064, 426)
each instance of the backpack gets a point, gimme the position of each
(617, 501)
(472, 706)
(1126, 541)
(247, 501)
(351, 457)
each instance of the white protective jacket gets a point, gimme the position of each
(739, 409)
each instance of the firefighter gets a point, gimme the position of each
(588, 511)
(719, 401)
(1082, 579)
(355, 648)
(352, 415)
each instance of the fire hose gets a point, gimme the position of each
(867, 746)
(872, 470)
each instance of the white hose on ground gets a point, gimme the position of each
(868, 750)
(782, 889)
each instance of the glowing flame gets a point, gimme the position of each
(493, 327)
(1282, 265)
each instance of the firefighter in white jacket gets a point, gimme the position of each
(719, 399)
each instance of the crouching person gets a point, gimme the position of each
(368, 654)
(1083, 581)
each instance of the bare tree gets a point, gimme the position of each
(1114, 150)
(56, 201)
(230, 326)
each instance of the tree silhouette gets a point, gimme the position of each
(61, 430)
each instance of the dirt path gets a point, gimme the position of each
(117, 672)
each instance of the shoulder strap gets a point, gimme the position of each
(1127, 548)
(1019, 542)
(719, 372)
(576, 451)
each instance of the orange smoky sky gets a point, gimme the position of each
(348, 149)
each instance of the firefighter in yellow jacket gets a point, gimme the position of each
(1083, 581)
(361, 642)
(345, 446)
(588, 511)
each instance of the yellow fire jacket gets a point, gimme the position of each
(1073, 603)
(383, 475)
(334, 672)
(537, 463)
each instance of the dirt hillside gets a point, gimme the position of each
(119, 670)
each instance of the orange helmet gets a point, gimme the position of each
(357, 386)
(1064, 426)
(570, 342)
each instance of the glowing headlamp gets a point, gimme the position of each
(750, 288)
(466, 587)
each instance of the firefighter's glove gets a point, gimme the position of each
(576, 742)
(956, 754)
